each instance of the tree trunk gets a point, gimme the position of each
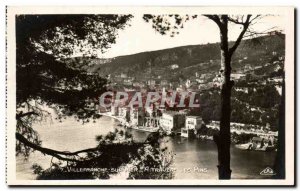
(279, 165)
(223, 142)
(223, 139)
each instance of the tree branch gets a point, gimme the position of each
(214, 18)
(236, 21)
(54, 153)
(253, 34)
(18, 116)
(254, 18)
(61, 155)
(240, 37)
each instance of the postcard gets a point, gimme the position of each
(150, 96)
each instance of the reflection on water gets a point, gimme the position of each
(194, 159)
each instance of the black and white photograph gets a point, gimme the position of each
(150, 95)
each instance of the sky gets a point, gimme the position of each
(141, 37)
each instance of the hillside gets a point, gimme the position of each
(189, 59)
(257, 70)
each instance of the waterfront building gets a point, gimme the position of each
(122, 111)
(192, 124)
(134, 112)
(172, 121)
(151, 122)
(115, 107)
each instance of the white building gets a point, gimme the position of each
(134, 116)
(122, 111)
(172, 121)
(188, 83)
(192, 123)
(174, 66)
(114, 110)
(167, 122)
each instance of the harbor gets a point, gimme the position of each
(202, 153)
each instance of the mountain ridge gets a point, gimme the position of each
(251, 52)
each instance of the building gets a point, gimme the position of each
(192, 124)
(134, 112)
(164, 83)
(200, 81)
(188, 83)
(151, 82)
(114, 110)
(140, 118)
(151, 122)
(217, 81)
(138, 84)
(122, 111)
(115, 106)
(128, 81)
(174, 66)
(172, 121)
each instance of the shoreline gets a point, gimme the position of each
(122, 121)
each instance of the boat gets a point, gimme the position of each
(243, 146)
(254, 147)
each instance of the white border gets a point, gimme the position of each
(11, 100)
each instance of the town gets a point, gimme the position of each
(175, 116)
(179, 123)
